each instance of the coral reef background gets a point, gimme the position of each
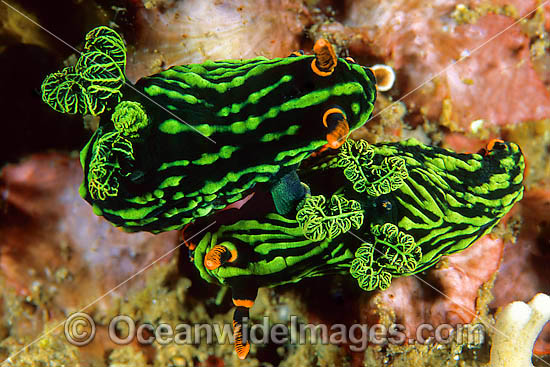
(467, 71)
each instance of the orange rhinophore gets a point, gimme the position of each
(325, 58)
(248, 303)
(190, 245)
(337, 137)
(218, 256)
(492, 143)
(240, 348)
(335, 120)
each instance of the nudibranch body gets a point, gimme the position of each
(150, 169)
(385, 210)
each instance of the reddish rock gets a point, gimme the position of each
(524, 271)
(54, 250)
(447, 294)
(494, 81)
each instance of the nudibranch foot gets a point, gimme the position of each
(287, 192)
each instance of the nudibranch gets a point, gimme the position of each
(384, 211)
(147, 167)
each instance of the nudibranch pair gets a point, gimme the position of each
(147, 167)
(373, 211)
(382, 211)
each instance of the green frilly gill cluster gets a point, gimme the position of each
(113, 152)
(356, 158)
(94, 81)
(319, 220)
(397, 251)
(88, 88)
(398, 254)
(104, 168)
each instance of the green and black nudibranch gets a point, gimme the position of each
(383, 211)
(149, 169)
(373, 211)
